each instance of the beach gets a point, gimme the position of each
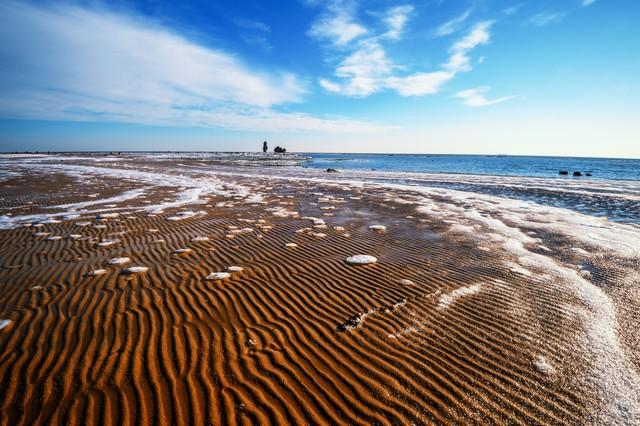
(174, 290)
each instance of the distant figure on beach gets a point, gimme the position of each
(279, 150)
(265, 148)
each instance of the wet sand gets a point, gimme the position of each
(456, 322)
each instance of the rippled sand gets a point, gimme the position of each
(477, 309)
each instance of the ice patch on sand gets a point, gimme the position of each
(186, 215)
(361, 259)
(119, 261)
(4, 323)
(542, 365)
(218, 276)
(447, 299)
(199, 239)
(108, 215)
(136, 270)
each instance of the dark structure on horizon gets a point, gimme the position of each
(279, 150)
(265, 148)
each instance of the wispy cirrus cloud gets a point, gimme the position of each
(361, 72)
(459, 60)
(475, 97)
(588, 2)
(254, 33)
(545, 18)
(452, 25)
(337, 24)
(65, 62)
(366, 69)
(396, 19)
(511, 10)
(420, 84)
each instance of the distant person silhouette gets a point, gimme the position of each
(265, 148)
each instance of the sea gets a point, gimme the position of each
(497, 165)
(607, 187)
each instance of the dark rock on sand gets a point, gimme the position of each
(577, 174)
(563, 172)
(330, 170)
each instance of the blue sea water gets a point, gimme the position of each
(600, 168)
(612, 190)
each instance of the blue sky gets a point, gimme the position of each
(478, 76)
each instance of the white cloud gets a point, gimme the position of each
(588, 2)
(248, 24)
(69, 63)
(420, 84)
(453, 25)
(479, 35)
(475, 97)
(364, 69)
(546, 18)
(330, 86)
(367, 70)
(512, 10)
(337, 25)
(396, 20)
(459, 60)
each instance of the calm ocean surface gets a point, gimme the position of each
(600, 168)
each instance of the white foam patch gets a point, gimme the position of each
(235, 269)
(377, 227)
(97, 272)
(361, 259)
(119, 261)
(448, 298)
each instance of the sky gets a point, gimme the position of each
(537, 77)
